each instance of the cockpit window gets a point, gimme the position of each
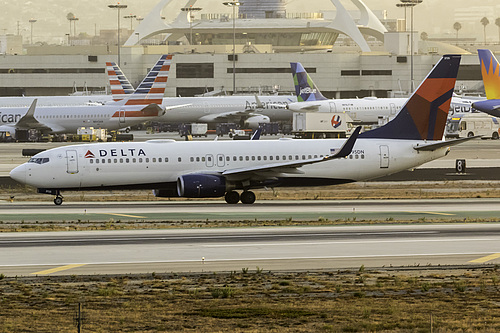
(39, 160)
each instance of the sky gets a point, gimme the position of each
(432, 16)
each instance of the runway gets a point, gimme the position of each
(228, 249)
(218, 210)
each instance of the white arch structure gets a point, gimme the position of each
(343, 23)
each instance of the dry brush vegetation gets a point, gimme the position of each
(253, 300)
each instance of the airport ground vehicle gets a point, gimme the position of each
(474, 124)
(319, 125)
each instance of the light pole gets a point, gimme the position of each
(190, 9)
(234, 4)
(130, 17)
(411, 4)
(73, 19)
(32, 21)
(118, 6)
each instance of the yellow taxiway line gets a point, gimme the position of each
(57, 269)
(140, 217)
(434, 213)
(482, 260)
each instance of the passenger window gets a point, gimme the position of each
(91, 161)
(253, 158)
(154, 159)
(121, 160)
(147, 159)
(127, 160)
(198, 159)
(97, 161)
(134, 160)
(191, 159)
(159, 159)
(166, 159)
(140, 160)
(179, 159)
(103, 161)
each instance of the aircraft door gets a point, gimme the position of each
(206, 107)
(209, 160)
(220, 160)
(333, 107)
(122, 116)
(392, 106)
(72, 161)
(384, 157)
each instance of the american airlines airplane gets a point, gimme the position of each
(246, 110)
(201, 169)
(365, 110)
(142, 105)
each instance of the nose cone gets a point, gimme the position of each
(19, 174)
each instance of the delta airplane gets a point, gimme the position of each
(365, 110)
(490, 70)
(142, 105)
(202, 169)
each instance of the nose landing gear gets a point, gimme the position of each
(58, 200)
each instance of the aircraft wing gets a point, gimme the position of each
(28, 121)
(441, 144)
(304, 107)
(293, 166)
(227, 115)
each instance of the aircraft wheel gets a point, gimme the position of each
(247, 197)
(232, 197)
(58, 200)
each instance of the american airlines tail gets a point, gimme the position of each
(120, 86)
(305, 89)
(149, 91)
(490, 70)
(424, 115)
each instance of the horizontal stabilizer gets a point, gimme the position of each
(441, 144)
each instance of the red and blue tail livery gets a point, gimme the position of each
(424, 115)
(120, 85)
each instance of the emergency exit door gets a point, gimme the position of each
(384, 157)
(72, 161)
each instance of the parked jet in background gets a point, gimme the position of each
(367, 110)
(141, 106)
(490, 70)
(201, 169)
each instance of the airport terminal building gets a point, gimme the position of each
(355, 57)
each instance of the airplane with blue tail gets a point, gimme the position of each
(490, 70)
(233, 169)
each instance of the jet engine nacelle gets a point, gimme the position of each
(201, 186)
(253, 122)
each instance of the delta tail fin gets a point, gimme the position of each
(305, 89)
(121, 87)
(424, 115)
(490, 70)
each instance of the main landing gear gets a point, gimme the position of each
(246, 197)
(58, 200)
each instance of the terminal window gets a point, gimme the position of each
(195, 71)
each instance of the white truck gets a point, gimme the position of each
(321, 125)
(478, 124)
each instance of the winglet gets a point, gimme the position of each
(29, 118)
(346, 148)
(256, 134)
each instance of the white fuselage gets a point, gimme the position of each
(226, 108)
(68, 119)
(153, 164)
(369, 110)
